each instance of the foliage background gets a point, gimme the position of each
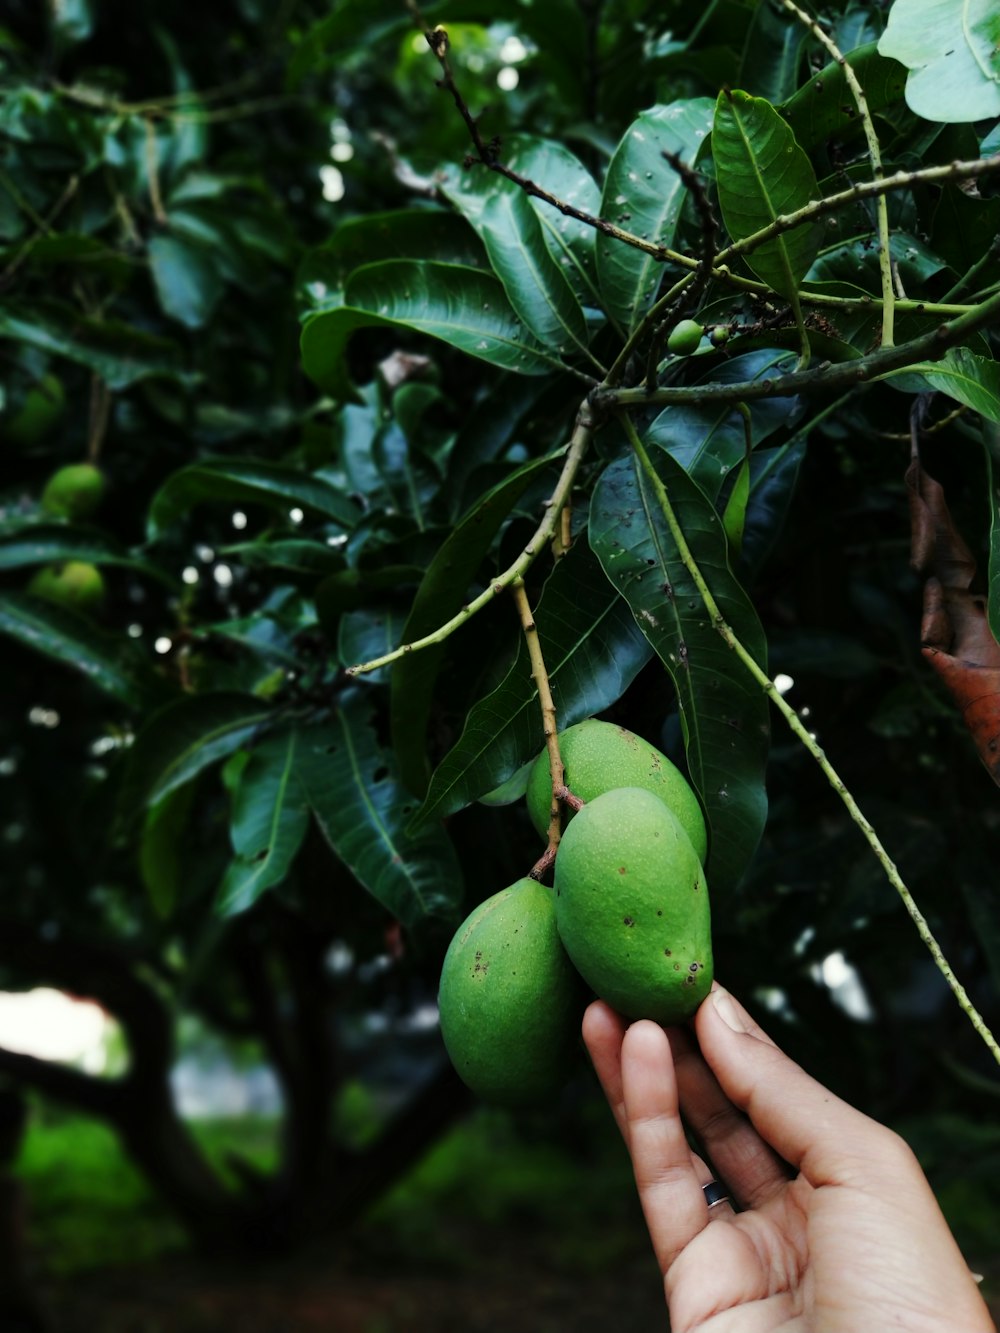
(170, 213)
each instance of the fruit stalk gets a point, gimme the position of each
(560, 792)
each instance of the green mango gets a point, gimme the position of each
(74, 491)
(685, 337)
(510, 1002)
(598, 757)
(75, 584)
(632, 906)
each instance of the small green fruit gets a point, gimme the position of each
(632, 907)
(597, 757)
(685, 337)
(75, 584)
(39, 413)
(74, 492)
(509, 1000)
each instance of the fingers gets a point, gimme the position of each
(827, 1140)
(752, 1171)
(603, 1031)
(666, 1174)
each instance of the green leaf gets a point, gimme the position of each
(292, 555)
(443, 590)
(824, 109)
(45, 543)
(187, 277)
(120, 353)
(161, 864)
(269, 820)
(246, 481)
(644, 195)
(724, 714)
(461, 306)
(592, 651)
(952, 51)
(709, 441)
(183, 739)
(110, 661)
(763, 174)
(369, 632)
(772, 54)
(735, 513)
(362, 810)
(487, 431)
(572, 244)
(410, 233)
(537, 288)
(962, 375)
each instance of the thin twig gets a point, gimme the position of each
(874, 153)
(802, 733)
(557, 772)
(824, 377)
(544, 533)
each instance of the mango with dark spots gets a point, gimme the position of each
(510, 1001)
(632, 906)
(598, 757)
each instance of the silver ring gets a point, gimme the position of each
(715, 1193)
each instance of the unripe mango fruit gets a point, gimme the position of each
(75, 584)
(685, 337)
(597, 757)
(632, 906)
(510, 1002)
(74, 491)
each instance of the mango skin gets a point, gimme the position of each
(632, 906)
(74, 491)
(598, 757)
(510, 1002)
(76, 584)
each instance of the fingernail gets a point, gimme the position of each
(728, 1011)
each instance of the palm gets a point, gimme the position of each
(839, 1229)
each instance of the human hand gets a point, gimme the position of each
(840, 1231)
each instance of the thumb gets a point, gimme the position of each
(812, 1129)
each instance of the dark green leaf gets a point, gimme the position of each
(44, 543)
(710, 440)
(269, 820)
(724, 714)
(962, 375)
(824, 108)
(644, 195)
(293, 555)
(763, 174)
(183, 739)
(412, 233)
(571, 243)
(459, 305)
(161, 843)
(187, 277)
(362, 810)
(110, 661)
(445, 587)
(772, 54)
(592, 653)
(370, 632)
(247, 481)
(120, 353)
(538, 290)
